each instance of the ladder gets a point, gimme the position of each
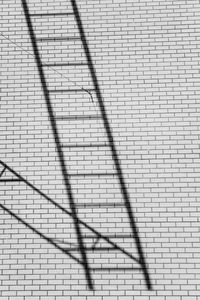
(111, 241)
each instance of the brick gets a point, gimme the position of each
(146, 56)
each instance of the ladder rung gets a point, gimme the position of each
(111, 236)
(71, 90)
(51, 14)
(85, 146)
(116, 269)
(103, 204)
(93, 174)
(93, 249)
(70, 38)
(10, 180)
(65, 64)
(76, 117)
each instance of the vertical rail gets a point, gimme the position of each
(112, 145)
(58, 146)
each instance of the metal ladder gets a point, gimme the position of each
(109, 144)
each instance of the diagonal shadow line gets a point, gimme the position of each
(70, 214)
(2, 171)
(40, 234)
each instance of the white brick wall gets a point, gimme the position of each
(146, 55)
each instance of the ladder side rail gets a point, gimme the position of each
(112, 144)
(58, 146)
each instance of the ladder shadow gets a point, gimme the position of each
(52, 241)
(66, 177)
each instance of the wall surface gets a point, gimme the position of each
(146, 55)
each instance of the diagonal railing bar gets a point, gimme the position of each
(101, 236)
(48, 239)
(95, 243)
(2, 172)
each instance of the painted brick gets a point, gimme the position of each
(146, 55)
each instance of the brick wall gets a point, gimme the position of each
(146, 55)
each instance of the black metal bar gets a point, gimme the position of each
(58, 146)
(112, 145)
